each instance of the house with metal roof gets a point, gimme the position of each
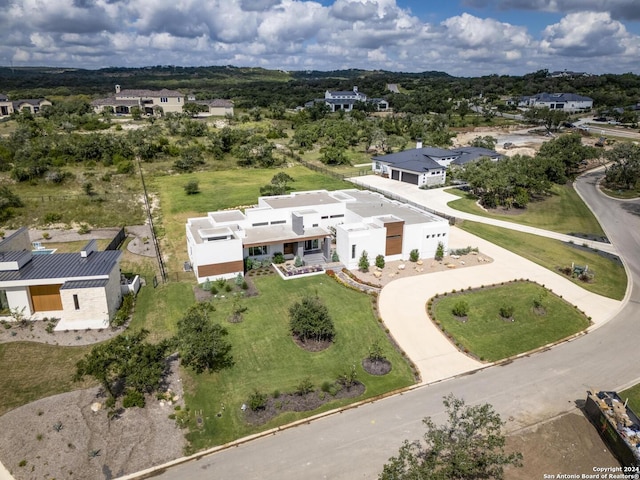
(81, 289)
(306, 225)
(567, 102)
(427, 166)
(345, 100)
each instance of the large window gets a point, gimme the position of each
(255, 251)
(4, 304)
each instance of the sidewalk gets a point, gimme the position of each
(435, 357)
(436, 199)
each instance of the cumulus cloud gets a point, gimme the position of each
(309, 34)
(586, 34)
(619, 9)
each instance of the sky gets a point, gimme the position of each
(461, 37)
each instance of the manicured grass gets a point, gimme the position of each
(490, 337)
(633, 394)
(610, 278)
(562, 212)
(622, 194)
(267, 359)
(35, 370)
(232, 188)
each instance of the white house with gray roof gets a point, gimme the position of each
(345, 100)
(427, 166)
(567, 102)
(302, 224)
(81, 289)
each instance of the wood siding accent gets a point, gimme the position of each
(394, 237)
(288, 249)
(45, 298)
(220, 268)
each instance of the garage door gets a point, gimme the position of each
(410, 178)
(395, 175)
(45, 298)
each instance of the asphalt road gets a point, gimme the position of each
(356, 443)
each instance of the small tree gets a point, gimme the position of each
(460, 309)
(414, 255)
(506, 311)
(376, 354)
(191, 188)
(363, 263)
(202, 343)
(310, 320)
(439, 252)
(470, 446)
(380, 261)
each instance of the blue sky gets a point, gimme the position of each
(460, 37)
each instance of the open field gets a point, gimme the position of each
(489, 337)
(563, 212)
(610, 278)
(267, 359)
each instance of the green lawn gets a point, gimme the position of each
(562, 212)
(488, 336)
(35, 370)
(610, 278)
(267, 359)
(633, 394)
(232, 188)
(622, 194)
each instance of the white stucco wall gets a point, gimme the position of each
(18, 298)
(373, 240)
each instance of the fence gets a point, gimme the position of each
(117, 240)
(326, 171)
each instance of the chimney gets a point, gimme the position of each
(92, 246)
(117, 88)
(355, 89)
(418, 143)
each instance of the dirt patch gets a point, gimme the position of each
(36, 331)
(87, 444)
(567, 445)
(291, 402)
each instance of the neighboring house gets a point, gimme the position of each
(33, 105)
(568, 74)
(302, 224)
(150, 102)
(567, 102)
(81, 289)
(345, 100)
(218, 107)
(427, 166)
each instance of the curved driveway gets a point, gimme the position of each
(356, 442)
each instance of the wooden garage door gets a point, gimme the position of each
(45, 298)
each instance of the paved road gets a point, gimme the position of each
(355, 443)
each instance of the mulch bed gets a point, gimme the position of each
(291, 402)
(376, 367)
(312, 345)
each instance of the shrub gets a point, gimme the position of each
(506, 311)
(439, 251)
(46, 235)
(227, 287)
(276, 393)
(51, 217)
(123, 313)
(414, 255)
(192, 187)
(257, 401)
(363, 263)
(245, 285)
(380, 261)
(460, 309)
(310, 320)
(335, 257)
(325, 387)
(298, 262)
(278, 258)
(348, 378)
(84, 229)
(213, 290)
(133, 398)
(376, 353)
(23, 463)
(304, 387)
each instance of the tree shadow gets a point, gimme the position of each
(631, 207)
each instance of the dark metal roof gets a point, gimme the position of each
(10, 237)
(64, 265)
(74, 284)
(417, 159)
(471, 154)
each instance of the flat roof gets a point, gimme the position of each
(214, 232)
(370, 204)
(227, 216)
(300, 200)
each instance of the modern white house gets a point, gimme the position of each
(345, 100)
(427, 166)
(305, 224)
(81, 289)
(567, 102)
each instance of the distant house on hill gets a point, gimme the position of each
(218, 107)
(149, 101)
(427, 166)
(33, 105)
(567, 102)
(345, 100)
